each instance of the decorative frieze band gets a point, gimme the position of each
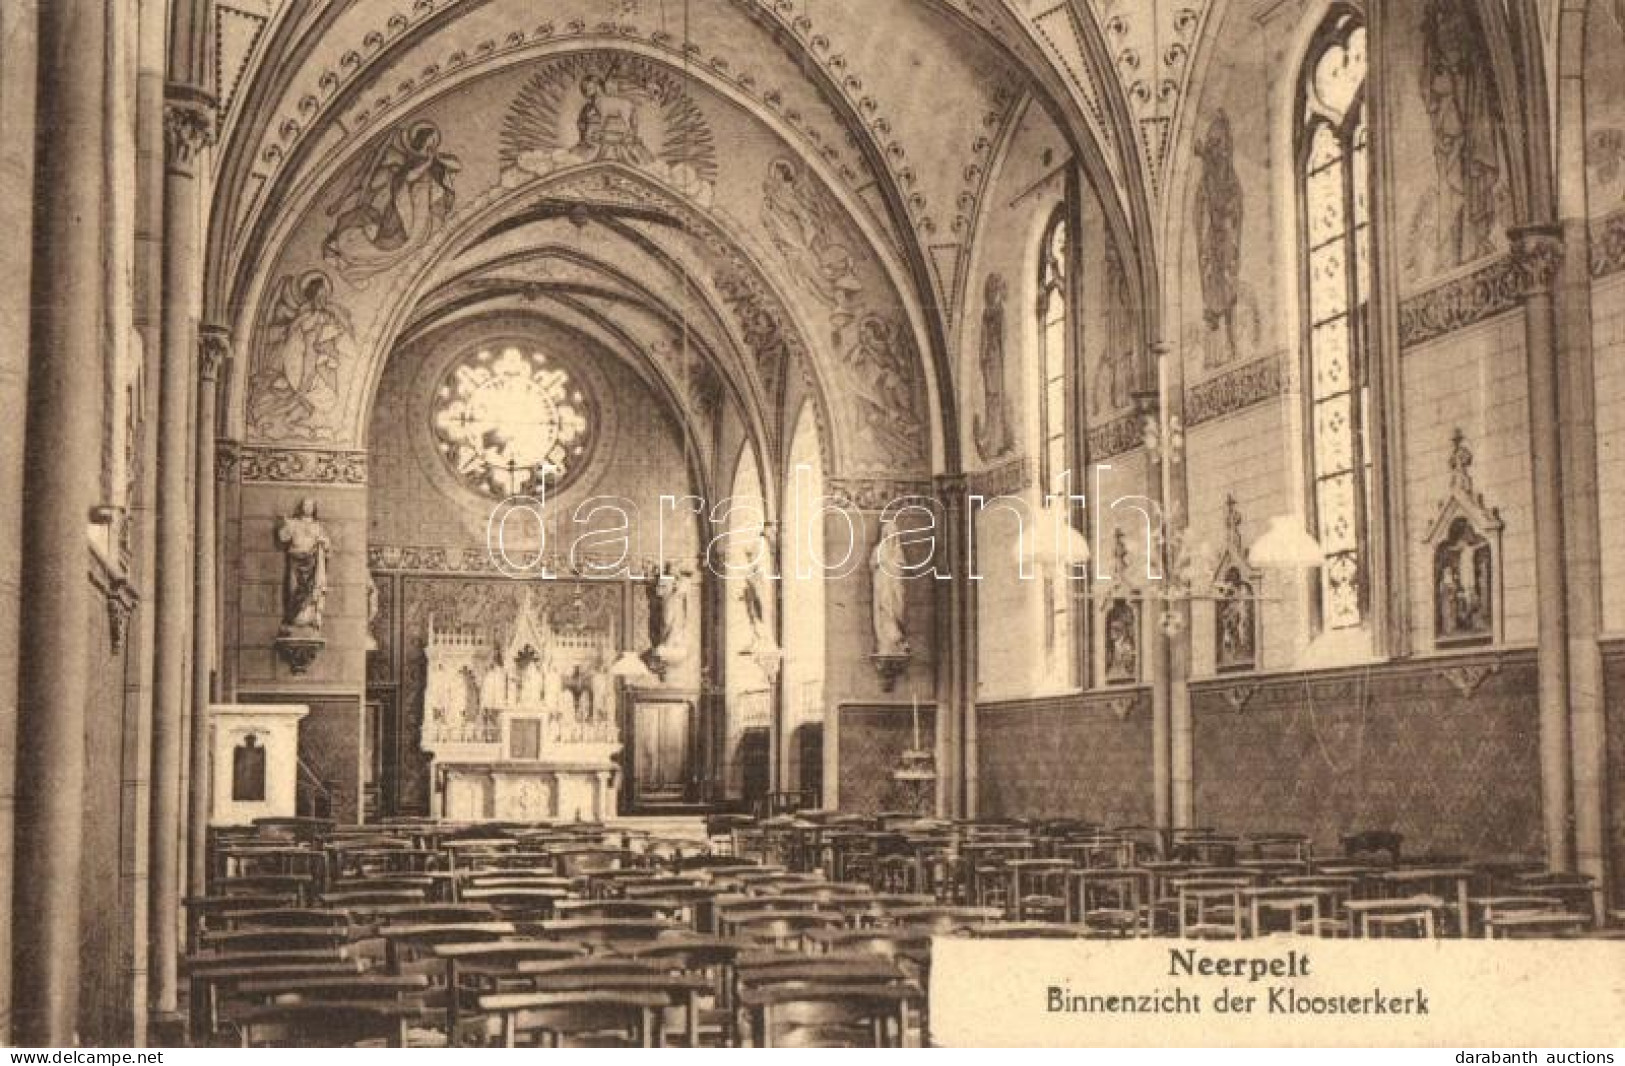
(1116, 437)
(1608, 245)
(1491, 290)
(1234, 390)
(1006, 479)
(876, 494)
(313, 467)
(430, 559)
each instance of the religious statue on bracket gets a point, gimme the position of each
(305, 546)
(1465, 539)
(671, 597)
(1235, 582)
(754, 594)
(888, 570)
(1121, 631)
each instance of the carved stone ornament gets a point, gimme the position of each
(889, 668)
(1121, 706)
(1538, 253)
(299, 652)
(120, 598)
(188, 125)
(1467, 679)
(213, 349)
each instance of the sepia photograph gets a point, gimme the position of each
(812, 524)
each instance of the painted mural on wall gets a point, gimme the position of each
(1605, 109)
(1219, 212)
(800, 222)
(1461, 218)
(880, 364)
(296, 385)
(992, 428)
(1227, 262)
(609, 108)
(1111, 386)
(398, 200)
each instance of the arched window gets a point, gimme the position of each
(1334, 227)
(1054, 457)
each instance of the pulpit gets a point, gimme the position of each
(255, 753)
(522, 729)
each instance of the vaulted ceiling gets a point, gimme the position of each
(793, 220)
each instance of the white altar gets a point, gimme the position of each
(523, 729)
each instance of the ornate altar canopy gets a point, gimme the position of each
(521, 725)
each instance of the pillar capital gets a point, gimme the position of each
(188, 125)
(1537, 255)
(214, 348)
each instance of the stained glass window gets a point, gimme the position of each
(1334, 170)
(1054, 461)
(510, 422)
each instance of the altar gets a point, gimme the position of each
(521, 727)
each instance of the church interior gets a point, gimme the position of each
(621, 520)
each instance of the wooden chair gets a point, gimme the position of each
(519, 903)
(633, 1019)
(272, 939)
(363, 896)
(780, 928)
(816, 1015)
(299, 887)
(1037, 889)
(1536, 925)
(1027, 931)
(684, 992)
(410, 948)
(944, 920)
(1211, 908)
(323, 1024)
(212, 974)
(1577, 891)
(1415, 916)
(1110, 899)
(639, 909)
(421, 913)
(605, 933)
(1482, 909)
(341, 988)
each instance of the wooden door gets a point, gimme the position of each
(664, 751)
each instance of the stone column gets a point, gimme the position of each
(1174, 629)
(1162, 721)
(188, 125)
(1538, 251)
(1577, 406)
(213, 348)
(61, 475)
(955, 720)
(18, 25)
